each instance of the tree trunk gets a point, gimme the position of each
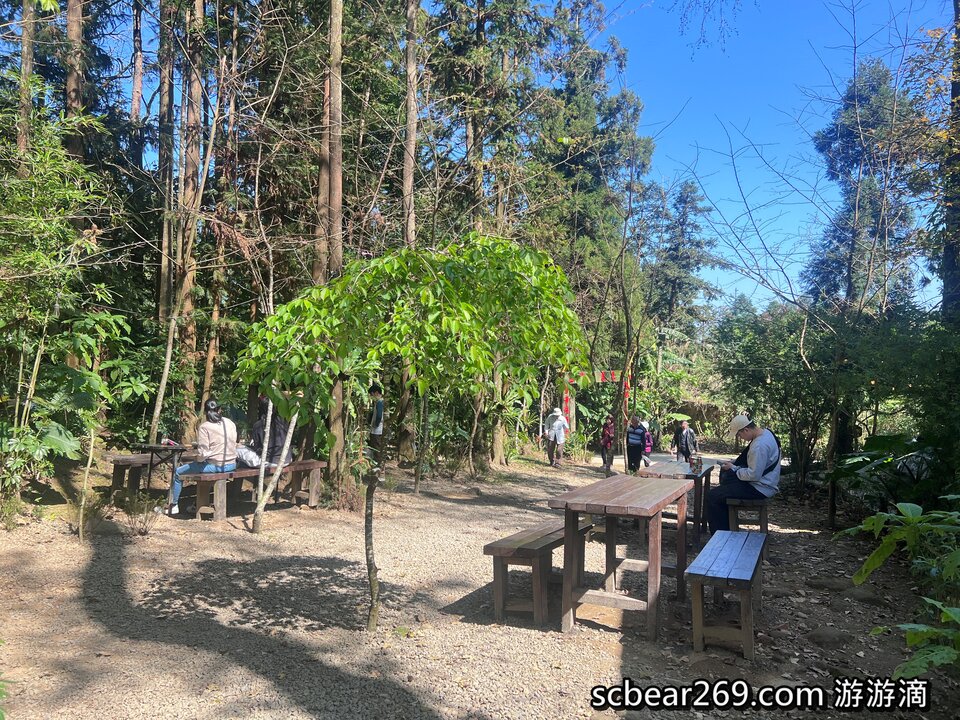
(950, 265)
(336, 138)
(165, 56)
(424, 441)
(373, 616)
(136, 90)
(401, 419)
(336, 463)
(410, 139)
(321, 232)
(164, 375)
(74, 79)
(498, 452)
(213, 341)
(27, 34)
(265, 495)
(191, 203)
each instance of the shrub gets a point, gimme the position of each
(140, 513)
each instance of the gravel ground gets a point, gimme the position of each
(204, 620)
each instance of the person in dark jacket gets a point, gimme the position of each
(278, 435)
(684, 442)
(636, 443)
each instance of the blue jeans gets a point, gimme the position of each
(717, 512)
(194, 468)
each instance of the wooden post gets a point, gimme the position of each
(746, 623)
(499, 587)
(571, 524)
(697, 589)
(653, 574)
(610, 559)
(681, 547)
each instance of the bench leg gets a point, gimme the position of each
(696, 588)
(133, 481)
(316, 485)
(220, 500)
(746, 622)
(734, 517)
(541, 581)
(119, 473)
(203, 495)
(764, 528)
(758, 590)
(499, 588)
(582, 558)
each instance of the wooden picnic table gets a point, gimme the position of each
(701, 480)
(128, 467)
(612, 498)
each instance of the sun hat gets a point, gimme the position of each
(556, 411)
(646, 425)
(737, 424)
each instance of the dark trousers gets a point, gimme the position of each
(717, 512)
(634, 457)
(551, 450)
(683, 455)
(607, 455)
(376, 444)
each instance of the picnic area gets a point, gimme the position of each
(207, 620)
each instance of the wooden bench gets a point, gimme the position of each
(730, 561)
(534, 548)
(736, 505)
(217, 484)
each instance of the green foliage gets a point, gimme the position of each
(575, 446)
(457, 318)
(10, 506)
(894, 468)
(930, 541)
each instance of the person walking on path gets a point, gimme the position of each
(636, 443)
(754, 475)
(684, 442)
(557, 437)
(547, 437)
(647, 443)
(608, 434)
(376, 425)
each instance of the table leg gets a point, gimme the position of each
(703, 508)
(570, 563)
(697, 509)
(681, 547)
(610, 561)
(653, 574)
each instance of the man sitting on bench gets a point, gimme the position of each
(250, 456)
(217, 447)
(754, 475)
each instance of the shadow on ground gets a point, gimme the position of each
(239, 611)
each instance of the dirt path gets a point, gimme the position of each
(203, 620)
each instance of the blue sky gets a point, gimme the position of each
(767, 85)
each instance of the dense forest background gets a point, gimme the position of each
(181, 179)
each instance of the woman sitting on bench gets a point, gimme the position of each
(217, 447)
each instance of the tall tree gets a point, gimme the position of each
(74, 77)
(27, 34)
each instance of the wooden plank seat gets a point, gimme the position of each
(217, 484)
(534, 548)
(736, 505)
(729, 561)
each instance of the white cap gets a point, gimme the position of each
(737, 424)
(646, 425)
